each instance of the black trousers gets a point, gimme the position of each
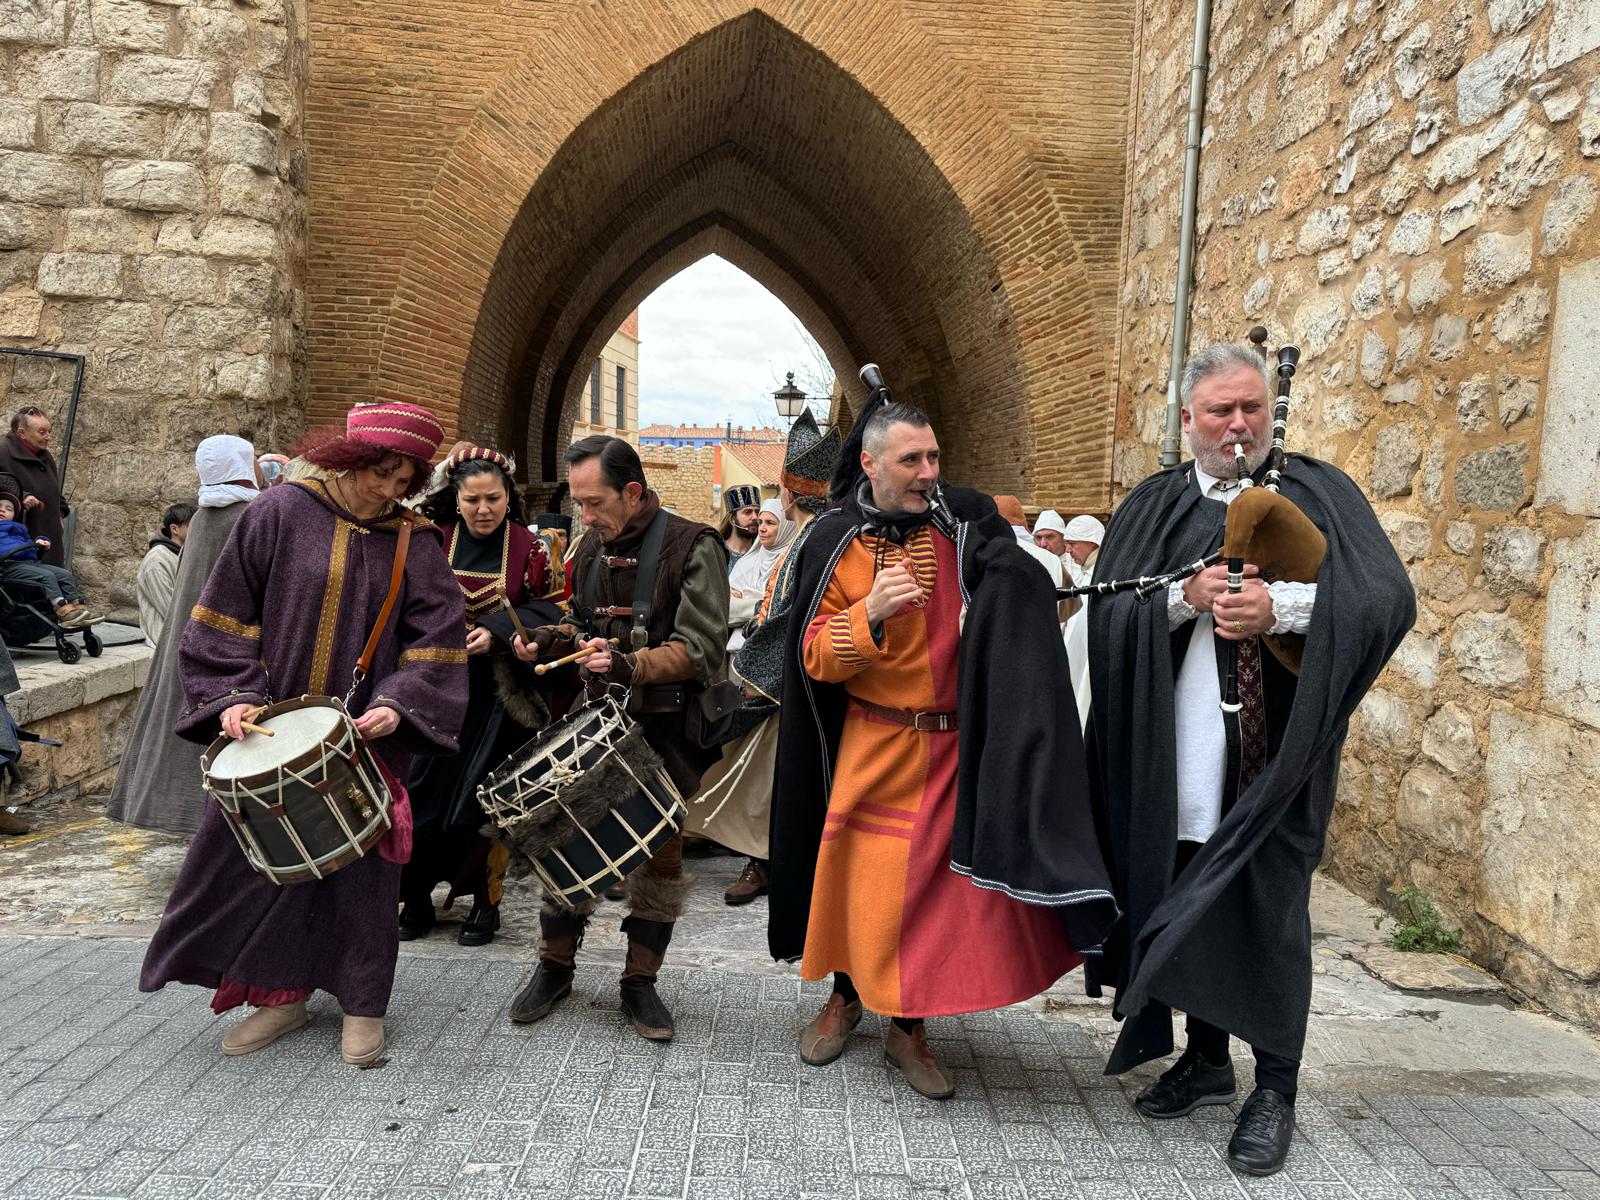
(55, 582)
(1272, 1070)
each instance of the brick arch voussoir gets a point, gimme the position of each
(443, 285)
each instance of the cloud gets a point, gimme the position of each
(713, 346)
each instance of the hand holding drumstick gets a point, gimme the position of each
(597, 652)
(238, 721)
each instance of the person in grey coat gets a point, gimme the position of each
(158, 783)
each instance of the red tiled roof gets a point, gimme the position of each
(764, 460)
(715, 432)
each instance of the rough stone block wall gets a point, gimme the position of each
(152, 218)
(683, 476)
(1407, 191)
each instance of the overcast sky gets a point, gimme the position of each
(713, 345)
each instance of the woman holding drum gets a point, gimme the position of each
(326, 587)
(495, 561)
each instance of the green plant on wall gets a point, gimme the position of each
(1417, 926)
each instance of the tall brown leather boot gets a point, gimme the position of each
(560, 935)
(647, 947)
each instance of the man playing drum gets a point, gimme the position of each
(659, 661)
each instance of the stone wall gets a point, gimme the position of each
(152, 218)
(1407, 191)
(88, 707)
(683, 476)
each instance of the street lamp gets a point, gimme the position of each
(791, 400)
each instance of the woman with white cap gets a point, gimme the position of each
(158, 785)
(747, 583)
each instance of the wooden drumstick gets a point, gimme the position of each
(541, 668)
(248, 727)
(522, 631)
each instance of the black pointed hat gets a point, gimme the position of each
(810, 458)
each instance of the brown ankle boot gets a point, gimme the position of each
(560, 935)
(824, 1039)
(647, 947)
(361, 1040)
(910, 1052)
(11, 823)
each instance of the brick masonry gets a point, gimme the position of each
(500, 210)
(1406, 190)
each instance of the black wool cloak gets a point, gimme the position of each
(1230, 941)
(1023, 821)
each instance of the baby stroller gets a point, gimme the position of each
(26, 617)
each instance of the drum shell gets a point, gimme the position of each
(262, 808)
(586, 838)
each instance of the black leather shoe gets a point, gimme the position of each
(1190, 1083)
(642, 1005)
(478, 929)
(1262, 1134)
(550, 984)
(416, 919)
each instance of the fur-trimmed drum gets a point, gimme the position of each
(587, 801)
(305, 801)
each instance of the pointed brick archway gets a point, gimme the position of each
(895, 212)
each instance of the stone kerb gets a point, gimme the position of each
(1407, 191)
(152, 219)
(88, 706)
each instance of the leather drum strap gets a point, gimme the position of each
(396, 578)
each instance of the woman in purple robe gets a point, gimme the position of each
(286, 612)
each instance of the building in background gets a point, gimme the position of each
(760, 463)
(610, 402)
(706, 435)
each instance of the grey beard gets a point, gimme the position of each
(1216, 459)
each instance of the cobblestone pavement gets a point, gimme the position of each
(107, 1092)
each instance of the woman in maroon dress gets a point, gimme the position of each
(494, 559)
(286, 610)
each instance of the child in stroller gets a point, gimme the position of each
(20, 566)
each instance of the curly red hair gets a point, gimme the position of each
(333, 450)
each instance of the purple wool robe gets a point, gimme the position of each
(298, 586)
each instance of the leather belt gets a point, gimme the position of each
(613, 610)
(923, 721)
(616, 562)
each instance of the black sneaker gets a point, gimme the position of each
(1262, 1134)
(1190, 1083)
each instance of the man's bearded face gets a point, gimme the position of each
(1229, 409)
(746, 519)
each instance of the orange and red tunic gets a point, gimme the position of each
(916, 938)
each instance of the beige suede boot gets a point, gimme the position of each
(263, 1027)
(361, 1041)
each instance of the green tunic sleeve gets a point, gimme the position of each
(701, 623)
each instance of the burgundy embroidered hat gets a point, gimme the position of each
(394, 425)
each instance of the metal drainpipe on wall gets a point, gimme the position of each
(1171, 441)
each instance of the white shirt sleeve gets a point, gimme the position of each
(1179, 610)
(1291, 606)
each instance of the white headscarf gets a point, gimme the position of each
(221, 460)
(750, 573)
(1085, 529)
(1050, 519)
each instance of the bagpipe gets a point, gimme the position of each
(1264, 528)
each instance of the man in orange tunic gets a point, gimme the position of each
(901, 932)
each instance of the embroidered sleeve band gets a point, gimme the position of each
(225, 623)
(432, 654)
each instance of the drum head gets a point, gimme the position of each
(294, 733)
(561, 742)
